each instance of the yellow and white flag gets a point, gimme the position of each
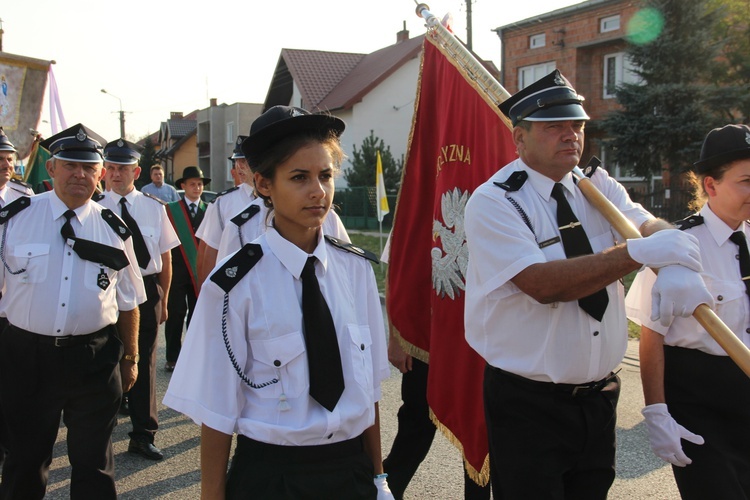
(382, 199)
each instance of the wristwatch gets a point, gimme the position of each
(133, 358)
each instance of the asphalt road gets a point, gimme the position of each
(640, 475)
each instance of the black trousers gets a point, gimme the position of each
(261, 471)
(414, 436)
(39, 383)
(142, 396)
(181, 303)
(3, 428)
(549, 444)
(710, 396)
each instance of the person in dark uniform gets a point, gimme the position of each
(185, 215)
(544, 305)
(10, 189)
(688, 379)
(153, 240)
(287, 345)
(66, 254)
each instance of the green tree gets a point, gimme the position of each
(682, 94)
(364, 160)
(147, 160)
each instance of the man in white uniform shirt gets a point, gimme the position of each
(544, 306)
(153, 238)
(71, 289)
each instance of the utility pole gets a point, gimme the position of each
(122, 113)
(1, 35)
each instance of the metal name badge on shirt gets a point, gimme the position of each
(102, 280)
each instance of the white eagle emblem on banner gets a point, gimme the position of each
(450, 259)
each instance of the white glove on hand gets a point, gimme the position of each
(664, 434)
(384, 492)
(666, 247)
(677, 292)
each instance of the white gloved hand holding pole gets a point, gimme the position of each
(384, 492)
(677, 292)
(664, 435)
(666, 247)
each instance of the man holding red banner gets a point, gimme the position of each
(544, 306)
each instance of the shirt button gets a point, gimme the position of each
(58, 331)
(747, 330)
(329, 436)
(362, 347)
(276, 363)
(63, 304)
(66, 278)
(737, 257)
(596, 333)
(720, 297)
(68, 253)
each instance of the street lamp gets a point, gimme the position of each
(122, 113)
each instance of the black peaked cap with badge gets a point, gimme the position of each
(723, 145)
(237, 151)
(77, 143)
(122, 152)
(279, 122)
(5, 144)
(192, 173)
(551, 98)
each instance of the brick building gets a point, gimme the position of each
(586, 42)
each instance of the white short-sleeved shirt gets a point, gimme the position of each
(152, 220)
(557, 342)
(264, 331)
(219, 213)
(721, 273)
(233, 237)
(58, 293)
(12, 191)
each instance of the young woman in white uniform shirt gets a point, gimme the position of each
(697, 400)
(244, 368)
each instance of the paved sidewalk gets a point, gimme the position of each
(640, 475)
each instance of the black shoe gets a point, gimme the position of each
(145, 449)
(125, 406)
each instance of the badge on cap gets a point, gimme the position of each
(81, 135)
(120, 143)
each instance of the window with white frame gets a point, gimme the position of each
(230, 133)
(618, 69)
(537, 41)
(621, 173)
(229, 177)
(610, 23)
(529, 74)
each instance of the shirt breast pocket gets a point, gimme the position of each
(34, 257)
(281, 359)
(729, 297)
(360, 343)
(149, 233)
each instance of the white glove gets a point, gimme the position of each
(664, 434)
(677, 292)
(666, 247)
(384, 492)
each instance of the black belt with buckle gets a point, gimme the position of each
(66, 341)
(575, 390)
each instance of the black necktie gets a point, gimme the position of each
(738, 238)
(323, 357)
(141, 250)
(91, 250)
(576, 243)
(192, 210)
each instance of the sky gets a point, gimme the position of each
(159, 56)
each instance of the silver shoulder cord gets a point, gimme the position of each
(2, 253)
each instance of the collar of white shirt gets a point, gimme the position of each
(543, 184)
(58, 208)
(718, 229)
(291, 256)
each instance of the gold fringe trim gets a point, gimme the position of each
(408, 347)
(481, 477)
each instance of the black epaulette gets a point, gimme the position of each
(151, 196)
(13, 208)
(226, 191)
(514, 182)
(23, 187)
(591, 166)
(688, 222)
(237, 266)
(245, 215)
(116, 223)
(348, 247)
(98, 197)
